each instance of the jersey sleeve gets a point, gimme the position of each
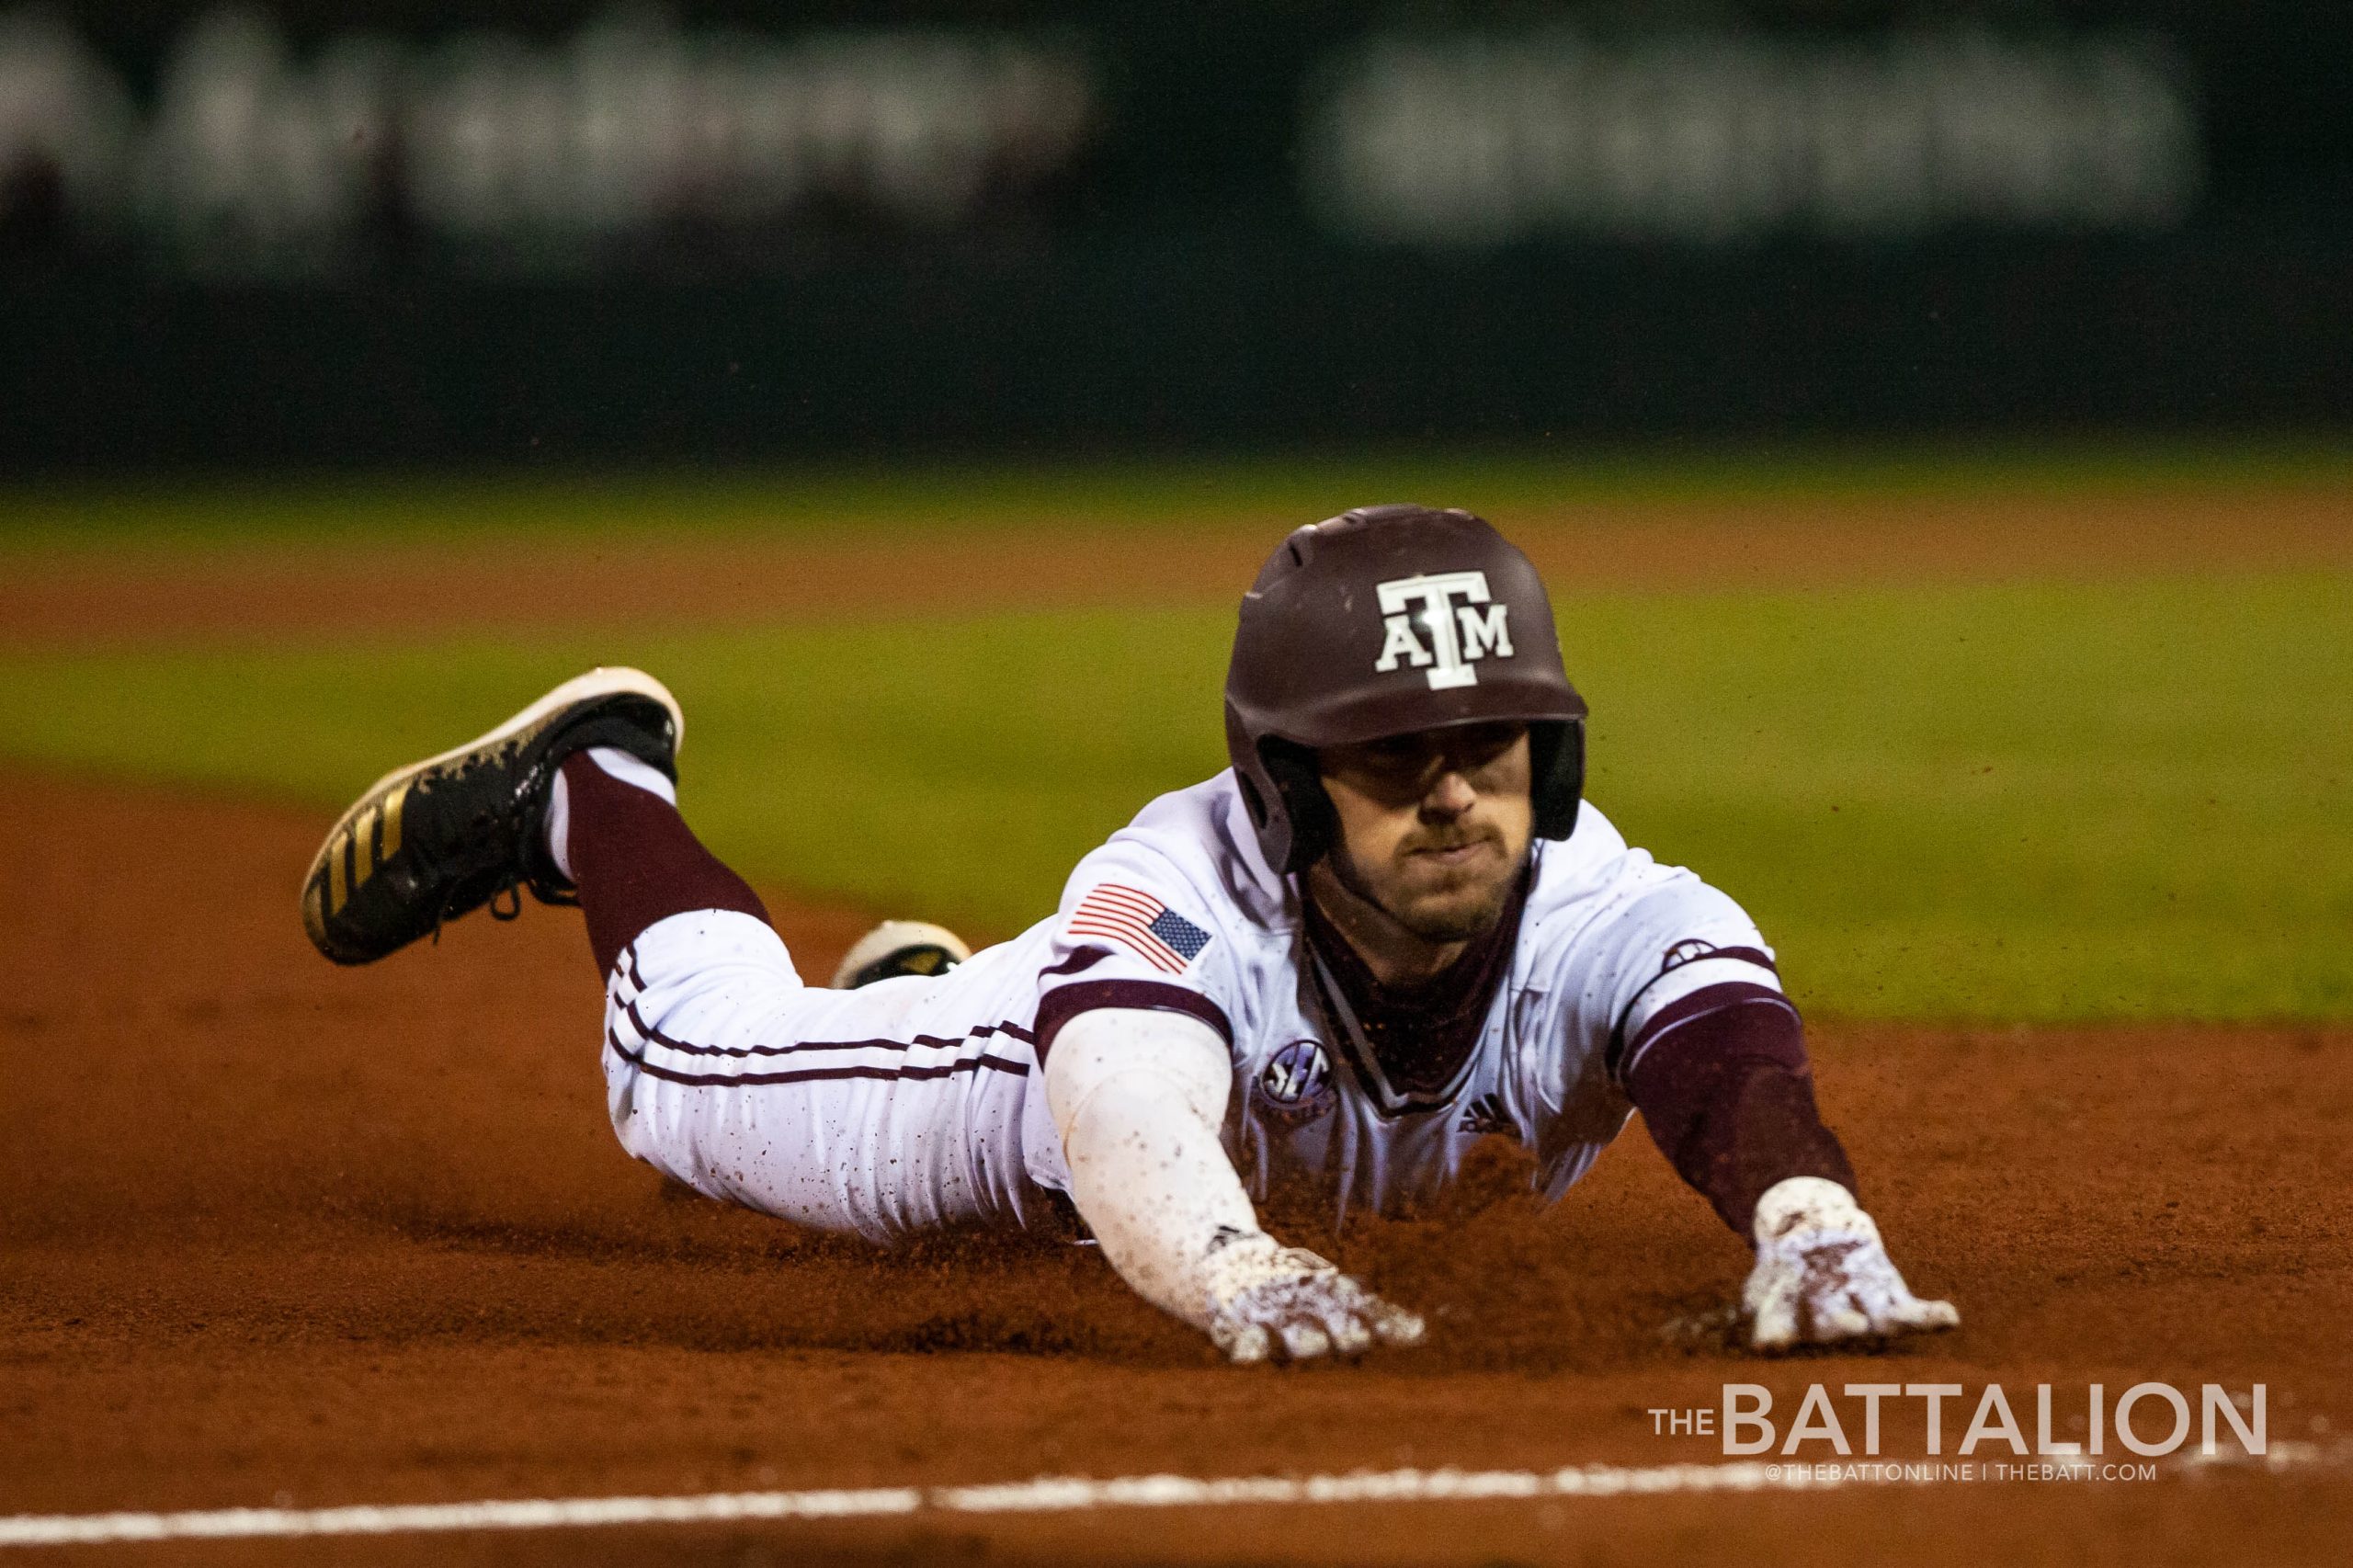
(1655, 950)
(1675, 1008)
(1135, 932)
(1679, 949)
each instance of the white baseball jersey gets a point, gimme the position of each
(918, 1101)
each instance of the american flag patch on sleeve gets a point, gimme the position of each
(1138, 921)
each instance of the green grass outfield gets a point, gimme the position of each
(173, 513)
(2016, 802)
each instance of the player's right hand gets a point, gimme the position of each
(1267, 1298)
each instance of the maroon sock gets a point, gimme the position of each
(635, 861)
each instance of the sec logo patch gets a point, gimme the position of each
(1295, 1086)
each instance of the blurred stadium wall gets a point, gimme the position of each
(416, 230)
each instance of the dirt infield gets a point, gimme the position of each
(349, 586)
(273, 1231)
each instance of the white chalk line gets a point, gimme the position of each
(1048, 1495)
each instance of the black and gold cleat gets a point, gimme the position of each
(899, 948)
(440, 838)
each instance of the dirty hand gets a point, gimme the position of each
(1823, 1276)
(1265, 1298)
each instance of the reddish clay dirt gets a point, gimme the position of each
(273, 1230)
(276, 1231)
(345, 586)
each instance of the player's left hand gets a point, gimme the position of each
(1823, 1276)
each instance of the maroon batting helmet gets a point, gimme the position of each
(1380, 621)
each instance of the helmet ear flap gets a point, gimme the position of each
(1556, 788)
(1556, 776)
(1301, 783)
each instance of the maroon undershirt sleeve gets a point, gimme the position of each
(1724, 1085)
(635, 861)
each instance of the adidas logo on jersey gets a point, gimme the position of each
(1486, 1114)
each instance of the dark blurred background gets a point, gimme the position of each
(416, 230)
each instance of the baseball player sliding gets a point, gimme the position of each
(1388, 930)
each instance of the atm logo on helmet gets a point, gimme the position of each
(1432, 631)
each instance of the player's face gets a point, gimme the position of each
(1434, 825)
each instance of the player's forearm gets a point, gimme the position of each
(1138, 1097)
(1728, 1096)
